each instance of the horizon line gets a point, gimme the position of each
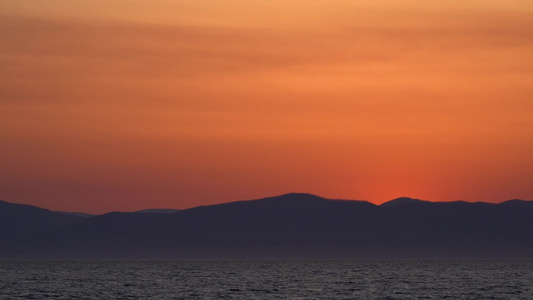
(268, 197)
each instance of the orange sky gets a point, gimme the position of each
(124, 105)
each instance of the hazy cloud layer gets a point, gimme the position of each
(214, 96)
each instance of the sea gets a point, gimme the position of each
(268, 279)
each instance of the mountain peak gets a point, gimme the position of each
(295, 197)
(401, 201)
(518, 203)
(300, 195)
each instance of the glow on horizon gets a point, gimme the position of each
(128, 105)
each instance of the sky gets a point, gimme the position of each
(132, 104)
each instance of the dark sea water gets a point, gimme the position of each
(268, 279)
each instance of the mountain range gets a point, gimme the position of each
(290, 225)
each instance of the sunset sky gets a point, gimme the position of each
(124, 105)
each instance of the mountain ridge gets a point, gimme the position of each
(297, 225)
(397, 201)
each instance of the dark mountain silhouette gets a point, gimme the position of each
(402, 201)
(19, 221)
(299, 225)
(518, 203)
(76, 214)
(157, 211)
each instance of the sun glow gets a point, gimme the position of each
(113, 105)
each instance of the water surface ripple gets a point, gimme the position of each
(268, 279)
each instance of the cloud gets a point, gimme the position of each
(339, 89)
